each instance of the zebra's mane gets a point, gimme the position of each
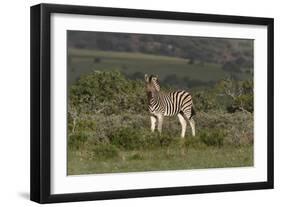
(154, 80)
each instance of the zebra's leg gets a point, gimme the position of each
(153, 123)
(188, 115)
(192, 125)
(160, 122)
(183, 125)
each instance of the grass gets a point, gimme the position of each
(112, 134)
(81, 61)
(127, 145)
(162, 159)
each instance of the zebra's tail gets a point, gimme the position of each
(193, 113)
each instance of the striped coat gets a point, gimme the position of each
(162, 104)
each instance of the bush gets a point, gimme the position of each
(166, 139)
(213, 137)
(240, 94)
(132, 132)
(126, 138)
(107, 93)
(204, 101)
(130, 138)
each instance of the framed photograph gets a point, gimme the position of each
(132, 103)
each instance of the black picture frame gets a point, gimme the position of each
(41, 98)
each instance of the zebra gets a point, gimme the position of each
(173, 103)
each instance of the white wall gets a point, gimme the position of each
(14, 109)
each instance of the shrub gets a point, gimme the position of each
(240, 94)
(126, 138)
(214, 137)
(107, 93)
(204, 100)
(130, 138)
(166, 139)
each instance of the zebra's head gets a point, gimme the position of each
(152, 83)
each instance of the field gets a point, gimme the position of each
(163, 159)
(124, 143)
(83, 61)
(109, 125)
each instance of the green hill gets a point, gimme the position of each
(176, 71)
(203, 49)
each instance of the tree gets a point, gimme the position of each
(240, 93)
(107, 93)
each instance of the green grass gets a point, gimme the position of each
(124, 143)
(112, 134)
(81, 61)
(162, 159)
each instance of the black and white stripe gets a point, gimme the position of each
(170, 104)
(162, 104)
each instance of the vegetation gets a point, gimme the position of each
(108, 120)
(175, 71)
(109, 127)
(235, 54)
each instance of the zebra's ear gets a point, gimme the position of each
(146, 78)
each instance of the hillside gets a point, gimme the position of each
(202, 49)
(174, 71)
